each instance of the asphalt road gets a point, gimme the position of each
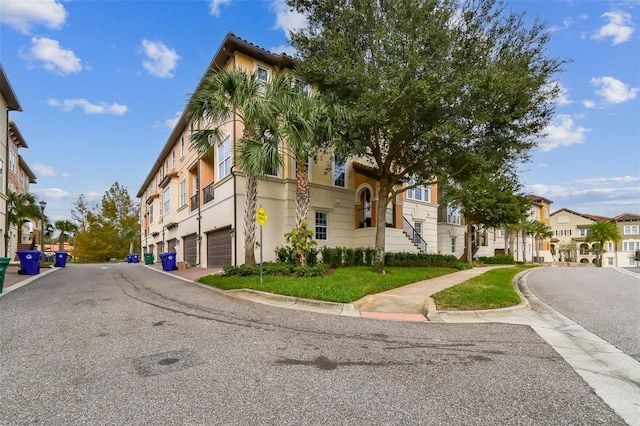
(123, 344)
(605, 301)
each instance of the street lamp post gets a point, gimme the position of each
(42, 206)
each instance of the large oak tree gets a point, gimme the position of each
(434, 86)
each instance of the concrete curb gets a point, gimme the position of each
(43, 272)
(519, 282)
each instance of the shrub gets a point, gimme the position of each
(499, 259)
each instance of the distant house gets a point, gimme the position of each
(629, 227)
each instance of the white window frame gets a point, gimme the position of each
(631, 229)
(181, 146)
(12, 161)
(322, 225)
(453, 244)
(454, 217)
(262, 81)
(166, 200)
(224, 158)
(151, 213)
(183, 192)
(583, 232)
(173, 159)
(419, 193)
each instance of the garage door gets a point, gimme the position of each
(172, 245)
(190, 249)
(219, 248)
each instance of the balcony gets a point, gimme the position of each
(207, 193)
(195, 202)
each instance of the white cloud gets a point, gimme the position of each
(619, 27)
(286, 18)
(608, 180)
(22, 15)
(609, 201)
(566, 23)
(160, 60)
(563, 93)
(214, 6)
(562, 132)
(588, 103)
(55, 58)
(283, 48)
(52, 193)
(42, 170)
(613, 90)
(88, 107)
(169, 123)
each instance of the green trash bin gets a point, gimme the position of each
(148, 258)
(4, 263)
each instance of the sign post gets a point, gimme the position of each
(261, 217)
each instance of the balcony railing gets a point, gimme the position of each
(207, 193)
(195, 202)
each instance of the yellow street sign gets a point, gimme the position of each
(261, 216)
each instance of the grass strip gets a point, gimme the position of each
(491, 290)
(342, 285)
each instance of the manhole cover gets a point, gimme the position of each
(165, 362)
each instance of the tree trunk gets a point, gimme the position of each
(468, 242)
(381, 224)
(524, 246)
(302, 210)
(250, 208)
(61, 241)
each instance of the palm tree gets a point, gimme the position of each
(540, 231)
(66, 228)
(601, 232)
(223, 97)
(21, 207)
(308, 123)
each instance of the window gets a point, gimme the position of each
(501, 233)
(273, 169)
(166, 197)
(567, 232)
(181, 146)
(173, 159)
(630, 245)
(263, 76)
(630, 229)
(339, 174)
(321, 225)
(12, 161)
(302, 87)
(166, 166)
(151, 213)
(609, 246)
(183, 192)
(610, 261)
(224, 158)
(453, 244)
(583, 232)
(453, 216)
(417, 229)
(420, 192)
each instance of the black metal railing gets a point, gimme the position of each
(195, 202)
(207, 193)
(414, 236)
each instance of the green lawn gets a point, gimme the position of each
(343, 285)
(491, 290)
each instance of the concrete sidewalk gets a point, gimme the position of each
(412, 302)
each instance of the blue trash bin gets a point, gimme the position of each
(129, 258)
(61, 259)
(29, 261)
(135, 258)
(168, 261)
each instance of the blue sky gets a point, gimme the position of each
(102, 83)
